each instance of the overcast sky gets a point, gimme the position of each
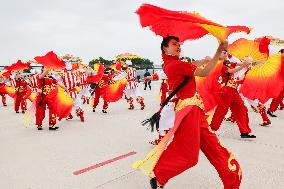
(92, 28)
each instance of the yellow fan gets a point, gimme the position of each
(269, 69)
(243, 48)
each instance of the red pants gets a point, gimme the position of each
(276, 101)
(41, 104)
(3, 95)
(97, 98)
(182, 153)
(230, 98)
(19, 100)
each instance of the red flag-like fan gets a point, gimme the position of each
(5, 75)
(185, 25)
(19, 66)
(51, 61)
(99, 72)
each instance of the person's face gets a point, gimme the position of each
(282, 54)
(224, 55)
(17, 76)
(173, 48)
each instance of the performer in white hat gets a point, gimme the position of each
(132, 91)
(72, 83)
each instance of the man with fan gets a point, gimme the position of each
(230, 98)
(191, 126)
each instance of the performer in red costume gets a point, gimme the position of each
(191, 130)
(100, 86)
(45, 86)
(3, 91)
(230, 98)
(20, 86)
(46, 97)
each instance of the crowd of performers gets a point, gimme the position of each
(62, 87)
(184, 123)
(184, 117)
(197, 95)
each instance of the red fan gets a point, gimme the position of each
(263, 45)
(185, 25)
(5, 75)
(19, 66)
(99, 69)
(51, 61)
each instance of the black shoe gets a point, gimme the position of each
(94, 110)
(53, 128)
(104, 111)
(271, 114)
(154, 185)
(4, 104)
(143, 107)
(23, 112)
(246, 135)
(39, 128)
(17, 112)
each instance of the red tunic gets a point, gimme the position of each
(176, 70)
(21, 86)
(49, 85)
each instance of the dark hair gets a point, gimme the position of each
(226, 62)
(166, 40)
(281, 51)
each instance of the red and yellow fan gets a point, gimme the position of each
(10, 91)
(185, 25)
(208, 87)
(242, 48)
(63, 103)
(5, 75)
(51, 61)
(114, 91)
(18, 66)
(264, 81)
(97, 73)
(117, 66)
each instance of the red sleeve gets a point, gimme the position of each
(224, 69)
(233, 65)
(54, 81)
(155, 76)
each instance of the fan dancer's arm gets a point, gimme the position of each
(212, 63)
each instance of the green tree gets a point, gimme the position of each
(189, 59)
(138, 63)
(103, 61)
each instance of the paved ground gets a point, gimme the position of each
(31, 159)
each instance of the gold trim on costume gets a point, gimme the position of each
(196, 100)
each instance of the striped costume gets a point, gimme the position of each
(71, 82)
(132, 90)
(85, 88)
